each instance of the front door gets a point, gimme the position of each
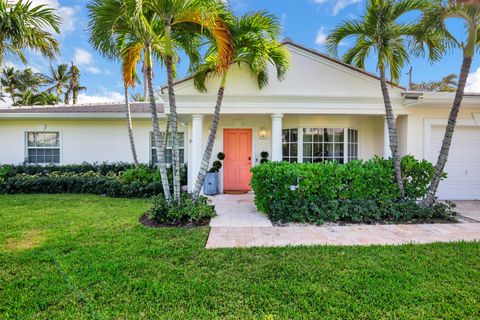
(237, 146)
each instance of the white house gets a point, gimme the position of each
(324, 109)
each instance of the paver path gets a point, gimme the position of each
(239, 224)
(227, 237)
(237, 211)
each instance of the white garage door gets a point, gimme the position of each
(463, 165)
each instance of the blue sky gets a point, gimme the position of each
(305, 21)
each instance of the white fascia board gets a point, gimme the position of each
(77, 115)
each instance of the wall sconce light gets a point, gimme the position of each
(262, 133)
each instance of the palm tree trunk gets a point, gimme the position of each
(144, 72)
(211, 140)
(392, 133)
(447, 139)
(156, 129)
(173, 116)
(75, 96)
(66, 100)
(129, 127)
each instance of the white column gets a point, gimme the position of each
(197, 146)
(277, 137)
(387, 153)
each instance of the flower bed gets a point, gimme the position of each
(359, 191)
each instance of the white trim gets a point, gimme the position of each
(429, 122)
(78, 115)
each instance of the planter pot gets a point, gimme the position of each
(210, 186)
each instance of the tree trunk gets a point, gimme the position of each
(447, 140)
(75, 97)
(392, 133)
(156, 129)
(211, 140)
(66, 100)
(144, 72)
(129, 126)
(173, 117)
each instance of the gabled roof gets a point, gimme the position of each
(288, 41)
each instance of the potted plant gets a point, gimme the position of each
(264, 157)
(210, 186)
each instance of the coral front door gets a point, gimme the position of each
(237, 146)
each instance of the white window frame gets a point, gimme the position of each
(60, 146)
(345, 141)
(184, 148)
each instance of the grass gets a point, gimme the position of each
(86, 257)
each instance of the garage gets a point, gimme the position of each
(463, 166)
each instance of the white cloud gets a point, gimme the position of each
(342, 4)
(104, 96)
(473, 81)
(94, 70)
(338, 5)
(321, 36)
(67, 13)
(82, 57)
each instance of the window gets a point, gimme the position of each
(320, 144)
(352, 144)
(290, 145)
(181, 147)
(43, 147)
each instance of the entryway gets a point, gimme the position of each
(237, 146)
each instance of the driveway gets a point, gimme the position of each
(469, 209)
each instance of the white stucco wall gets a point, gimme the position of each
(82, 140)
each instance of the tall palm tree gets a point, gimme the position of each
(255, 38)
(74, 87)
(58, 80)
(380, 32)
(25, 26)
(128, 30)
(10, 81)
(181, 18)
(435, 19)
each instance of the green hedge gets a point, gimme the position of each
(359, 191)
(114, 180)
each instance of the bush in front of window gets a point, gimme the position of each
(185, 213)
(358, 191)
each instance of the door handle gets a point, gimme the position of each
(249, 158)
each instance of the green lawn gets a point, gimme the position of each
(86, 257)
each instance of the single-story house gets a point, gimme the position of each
(323, 110)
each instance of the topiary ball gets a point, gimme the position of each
(217, 165)
(264, 154)
(221, 156)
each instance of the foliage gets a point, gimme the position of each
(446, 84)
(112, 179)
(264, 157)
(358, 191)
(185, 212)
(25, 25)
(217, 164)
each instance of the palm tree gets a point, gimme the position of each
(379, 32)
(137, 97)
(180, 18)
(74, 86)
(446, 84)
(58, 80)
(10, 81)
(127, 30)
(24, 26)
(255, 38)
(435, 19)
(30, 97)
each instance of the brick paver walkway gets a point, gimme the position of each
(239, 224)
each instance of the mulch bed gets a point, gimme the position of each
(154, 224)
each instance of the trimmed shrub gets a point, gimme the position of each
(358, 191)
(187, 212)
(91, 183)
